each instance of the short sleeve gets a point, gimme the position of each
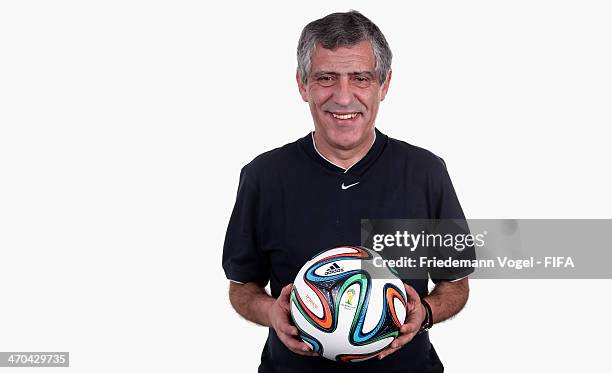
(243, 260)
(451, 220)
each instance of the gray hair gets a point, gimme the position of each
(343, 30)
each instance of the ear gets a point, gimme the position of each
(385, 86)
(301, 86)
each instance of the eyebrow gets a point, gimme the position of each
(320, 73)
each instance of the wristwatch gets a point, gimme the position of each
(428, 321)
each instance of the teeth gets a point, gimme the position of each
(344, 116)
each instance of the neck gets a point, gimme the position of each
(343, 158)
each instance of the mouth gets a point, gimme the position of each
(344, 117)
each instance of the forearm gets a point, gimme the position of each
(251, 302)
(448, 298)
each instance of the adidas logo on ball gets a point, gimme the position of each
(334, 268)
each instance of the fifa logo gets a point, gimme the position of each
(349, 295)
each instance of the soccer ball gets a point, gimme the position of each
(345, 308)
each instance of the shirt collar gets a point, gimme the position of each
(308, 145)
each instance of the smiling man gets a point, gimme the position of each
(311, 195)
(344, 92)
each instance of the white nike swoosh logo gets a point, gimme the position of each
(348, 186)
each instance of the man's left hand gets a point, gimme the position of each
(415, 314)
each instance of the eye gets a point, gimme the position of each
(326, 80)
(361, 81)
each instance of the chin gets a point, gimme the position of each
(346, 141)
(344, 136)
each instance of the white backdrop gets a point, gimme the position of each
(124, 125)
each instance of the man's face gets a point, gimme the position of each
(343, 93)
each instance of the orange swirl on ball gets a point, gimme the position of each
(392, 294)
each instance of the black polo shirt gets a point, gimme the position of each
(293, 203)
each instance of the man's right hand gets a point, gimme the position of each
(279, 314)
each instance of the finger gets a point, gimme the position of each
(386, 352)
(402, 340)
(292, 343)
(307, 353)
(296, 346)
(304, 352)
(381, 354)
(311, 353)
(410, 327)
(288, 329)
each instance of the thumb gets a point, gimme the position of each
(285, 292)
(412, 295)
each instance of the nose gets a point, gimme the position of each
(343, 94)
